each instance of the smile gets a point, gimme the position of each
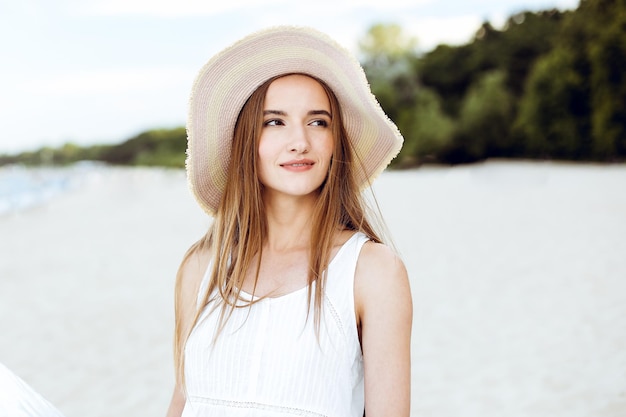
(298, 163)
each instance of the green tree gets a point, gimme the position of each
(68, 153)
(452, 70)
(485, 118)
(163, 147)
(428, 130)
(388, 56)
(574, 102)
(383, 46)
(607, 57)
(553, 115)
(446, 71)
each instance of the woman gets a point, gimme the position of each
(290, 305)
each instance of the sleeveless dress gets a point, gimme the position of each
(268, 360)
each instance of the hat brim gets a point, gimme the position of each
(228, 79)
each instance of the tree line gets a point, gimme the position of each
(548, 85)
(157, 147)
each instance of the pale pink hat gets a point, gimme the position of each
(231, 76)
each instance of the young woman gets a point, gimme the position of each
(291, 305)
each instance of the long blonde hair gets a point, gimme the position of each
(240, 226)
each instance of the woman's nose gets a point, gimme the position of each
(299, 140)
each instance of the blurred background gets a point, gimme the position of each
(507, 200)
(464, 81)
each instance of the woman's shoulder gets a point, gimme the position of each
(376, 258)
(380, 277)
(192, 269)
(197, 257)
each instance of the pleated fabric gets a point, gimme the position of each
(268, 360)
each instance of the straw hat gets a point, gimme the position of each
(230, 77)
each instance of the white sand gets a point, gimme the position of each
(518, 274)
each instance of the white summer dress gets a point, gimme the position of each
(268, 362)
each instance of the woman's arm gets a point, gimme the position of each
(177, 404)
(384, 313)
(188, 281)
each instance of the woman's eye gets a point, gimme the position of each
(321, 123)
(273, 122)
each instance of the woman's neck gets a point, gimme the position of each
(289, 222)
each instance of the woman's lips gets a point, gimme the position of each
(298, 165)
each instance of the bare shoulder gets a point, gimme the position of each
(379, 265)
(379, 255)
(381, 279)
(190, 274)
(194, 265)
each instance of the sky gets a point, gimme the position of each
(102, 71)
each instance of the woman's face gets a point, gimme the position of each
(296, 143)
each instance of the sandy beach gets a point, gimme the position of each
(518, 274)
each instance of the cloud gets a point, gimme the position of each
(377, 4)
(109, 82)
(433, 31)
(182, 8)
(96, 106)
(163, 8)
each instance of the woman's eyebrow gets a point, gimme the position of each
(274, 112)
(320, 112)
(284, 113)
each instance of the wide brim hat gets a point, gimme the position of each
(227, 80)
